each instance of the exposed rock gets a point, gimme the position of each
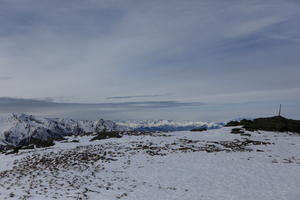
(199, 129)
(276, 123)
(237, 131)
(107, 134)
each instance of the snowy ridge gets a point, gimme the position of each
(14, 128)
(167, 125)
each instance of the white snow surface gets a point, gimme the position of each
(16, 127)
(132, 168)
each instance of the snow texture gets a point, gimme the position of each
(209, 165)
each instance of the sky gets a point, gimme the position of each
(207, 60)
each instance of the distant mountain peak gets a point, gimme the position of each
(167, 125)
(16, 127)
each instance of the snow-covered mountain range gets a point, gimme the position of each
(15, 128)
(167, 125)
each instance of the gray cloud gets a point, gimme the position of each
(60, 99)
(211, 51)
(138, 96)
(35, 103)
(5, 78)
(86, 110)
(149, 109)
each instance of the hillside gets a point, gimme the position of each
(276, 123)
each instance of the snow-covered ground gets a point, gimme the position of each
(210, 165)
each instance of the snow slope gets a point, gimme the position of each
(209, 165)
(14, 128)
(167, 125)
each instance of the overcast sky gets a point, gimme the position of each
(173, 59)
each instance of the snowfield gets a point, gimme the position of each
(209, 165)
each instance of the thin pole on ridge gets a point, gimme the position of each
(279, 113)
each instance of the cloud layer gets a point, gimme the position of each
(5, 78)
(109, 51)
